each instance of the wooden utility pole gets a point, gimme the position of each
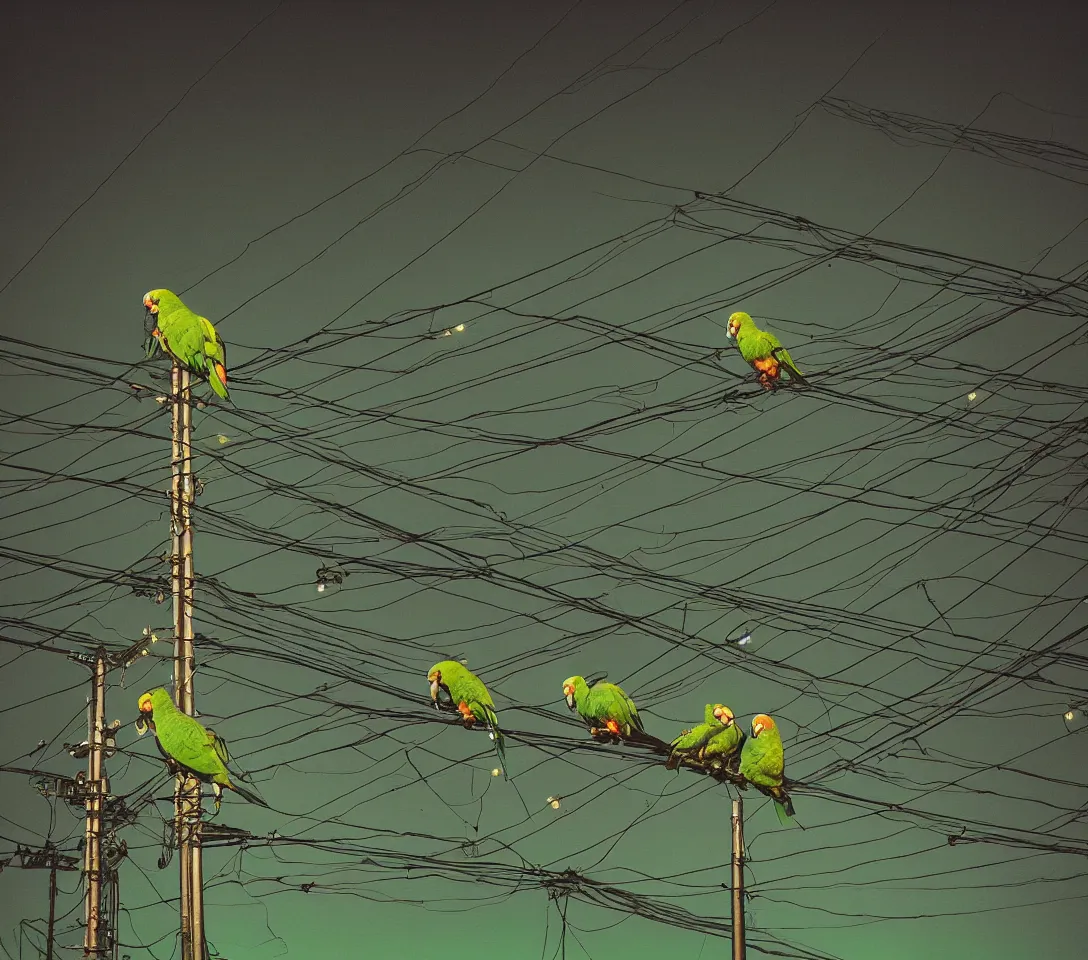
(187, 791)
(115, 852)
(49, 936)
(738, 879)
(51, 859)
(96, 937)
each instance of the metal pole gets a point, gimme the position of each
(96, 789)
(187, 792)
(738, 879)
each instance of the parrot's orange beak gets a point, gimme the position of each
(435, 679)
(757, 728)
(568, 692)
(150, 305)
(145, 703)
(724, 714)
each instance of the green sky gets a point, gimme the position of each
(472, 263)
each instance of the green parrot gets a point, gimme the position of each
(188, 338)
(715, 741)
(762, 764)
(187, 742)
(764, 351)
(690, 743)
(468, 693)
(725, 745)
(604, 706)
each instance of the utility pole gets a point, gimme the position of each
(738, 879)
(115, 852)
(94, 789)
(101, 851)
(187, 791)
(90, 790)
(49, 937)
(48, 858)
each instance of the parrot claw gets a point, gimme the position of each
(141, 727)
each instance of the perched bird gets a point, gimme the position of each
(188, 338)
(603, 706)
(690, 743)
(725, 744)
(763, 350)
(468, 693)
(762, 764)
(186, 741)
(715, 742)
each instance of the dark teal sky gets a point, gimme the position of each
(574, 482)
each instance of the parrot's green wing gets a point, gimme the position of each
(695, 738)
(215, 358)
(466, 687)
(181, 333)
(185, 740)
(691, 740)
(609, 702)
(724, 743)
(219, 745)
(756, 344)
(782, 355)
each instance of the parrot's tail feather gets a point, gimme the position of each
(217, 378)
(784, 359)
(784, 808)
(248, 795)
(500, 750)
(795, 374)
